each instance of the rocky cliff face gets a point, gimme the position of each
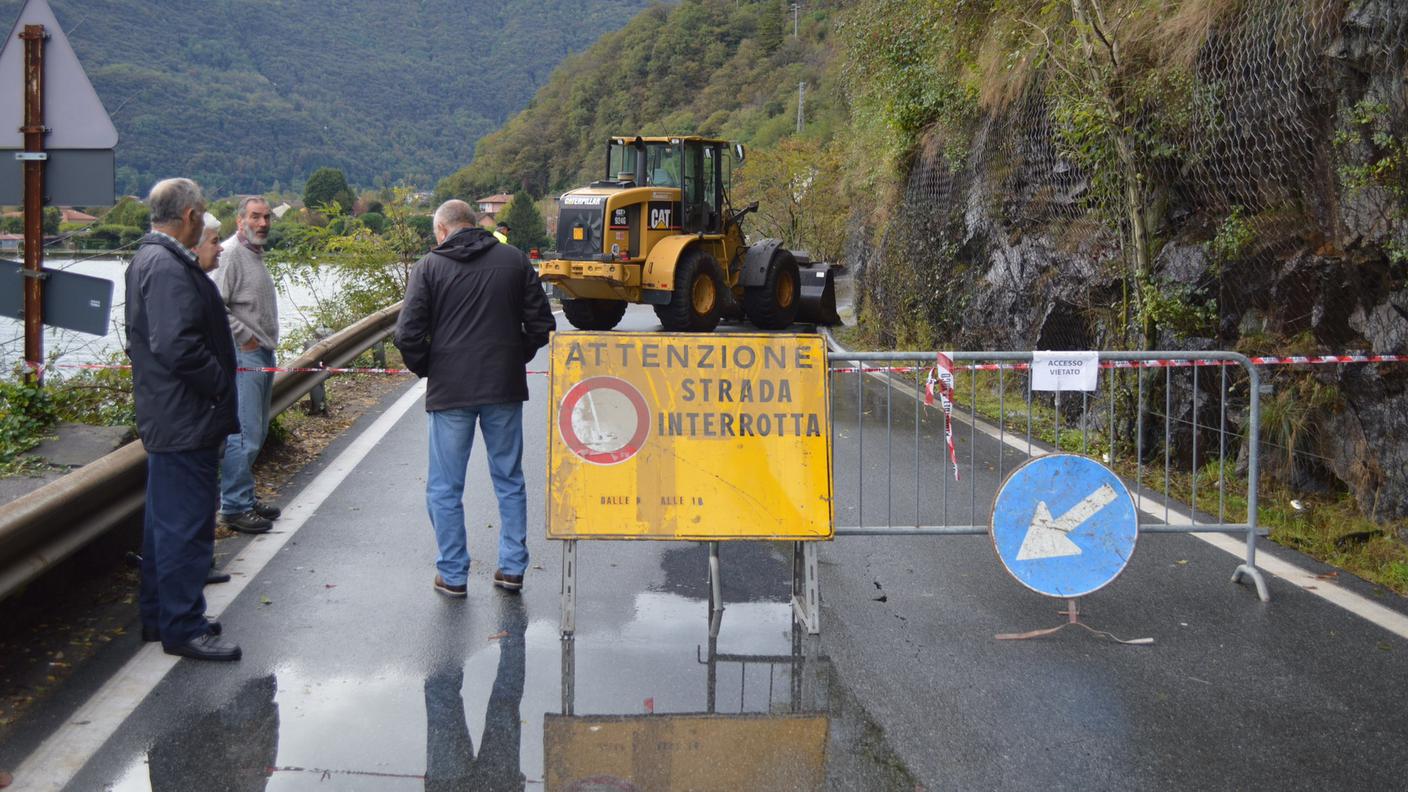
(1279, 225)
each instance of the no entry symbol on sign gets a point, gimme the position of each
(604, 420)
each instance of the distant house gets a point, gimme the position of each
(281, 210)
(10, 243)
(75, 216)
(492, 204)
(66, 215)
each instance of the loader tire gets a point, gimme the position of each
(696, 303)
(594, 314)
(774, 304)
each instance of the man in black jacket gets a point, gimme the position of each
(183, 382)
(474, 315)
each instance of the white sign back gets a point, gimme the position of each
(1065, 371)
(72, 110)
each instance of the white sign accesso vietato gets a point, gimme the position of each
(1065, 371)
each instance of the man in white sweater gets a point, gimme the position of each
(252, 306)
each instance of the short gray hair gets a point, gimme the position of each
(250, 199)
(170, 198)
(455, 214)
(212, 225)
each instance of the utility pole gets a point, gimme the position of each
(801, 98)
(33, 157)
(794, 19)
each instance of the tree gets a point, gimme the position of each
(52, 218)
(525, 222)
(770, 27)
(128, 212)
(800, 196)
(326, 186)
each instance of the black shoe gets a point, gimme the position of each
(457, 592)
(216, 576)
(205, 647)
(507, 582)
(152, 634)
(246, 522)
(267, 510)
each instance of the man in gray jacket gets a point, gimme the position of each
(248, 291)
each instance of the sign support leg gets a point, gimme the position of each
(806, 588)
(716, 591)
(1072, 614)
(569, 588)
(569, 675)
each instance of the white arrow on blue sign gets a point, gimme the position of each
(1064, 525)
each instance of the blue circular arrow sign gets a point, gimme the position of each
(1064, 525)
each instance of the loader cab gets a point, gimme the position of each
(698, 168)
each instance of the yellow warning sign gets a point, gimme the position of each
(701, 753)
(675, 436)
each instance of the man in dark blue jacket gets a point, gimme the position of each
(183, 382)
(474, 315)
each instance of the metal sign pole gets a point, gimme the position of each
(33, 156)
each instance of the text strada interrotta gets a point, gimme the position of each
(659, 436)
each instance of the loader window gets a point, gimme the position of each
(621, 163)
(700, 189)
(662, 165)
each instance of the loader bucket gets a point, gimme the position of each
(818, 295)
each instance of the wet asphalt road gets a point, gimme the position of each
(358, 676)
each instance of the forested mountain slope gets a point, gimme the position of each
(247, 94)
(729, 68)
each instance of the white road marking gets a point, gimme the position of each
(54, 764)
(1233, 544)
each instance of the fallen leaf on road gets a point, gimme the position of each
(537, 566)
(329, 585)
(1183, 562)
(5, 779)
(500, 634)
(1328, 576)
(263, 600)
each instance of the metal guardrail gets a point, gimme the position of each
(43, 527)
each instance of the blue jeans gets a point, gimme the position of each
(451, 439)
(178, 537)
(254, 389)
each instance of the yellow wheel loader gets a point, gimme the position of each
(659, 229)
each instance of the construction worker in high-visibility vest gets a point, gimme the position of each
(501, 232)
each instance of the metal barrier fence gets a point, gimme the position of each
(1180, 428)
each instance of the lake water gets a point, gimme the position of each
(295, 311)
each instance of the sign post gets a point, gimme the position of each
(34, 156)
(70, 162)
(1064, 526)
(689, 437)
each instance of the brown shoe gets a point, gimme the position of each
(458, 592)
(508, 582)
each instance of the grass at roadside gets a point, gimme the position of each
(1327, 526)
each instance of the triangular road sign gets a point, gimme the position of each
(72, 110)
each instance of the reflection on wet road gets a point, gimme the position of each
(657, 705)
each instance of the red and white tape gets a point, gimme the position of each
(942, 375)
(1262, 360)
